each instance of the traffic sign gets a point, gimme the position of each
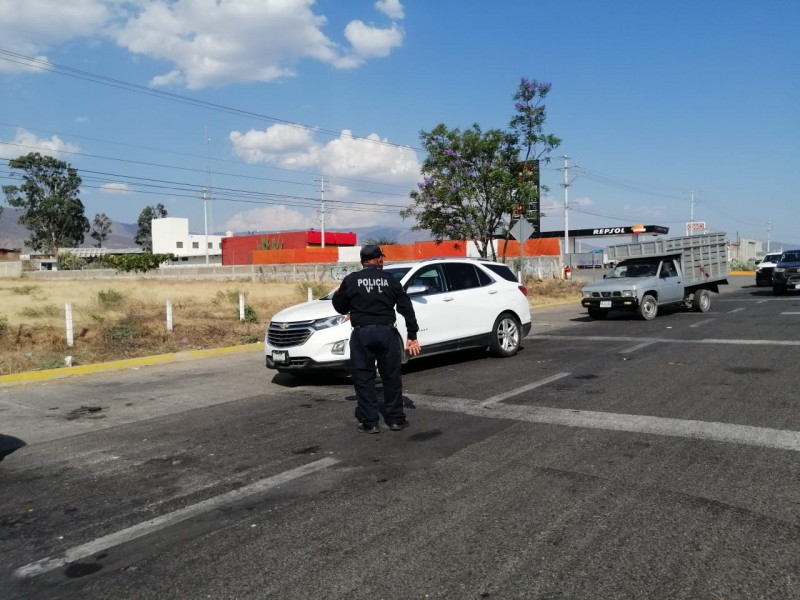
(522, 229)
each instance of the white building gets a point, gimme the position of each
(171, 236)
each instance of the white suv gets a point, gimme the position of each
(765, 267)
(459, 303)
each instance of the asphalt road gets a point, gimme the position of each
(608, 459)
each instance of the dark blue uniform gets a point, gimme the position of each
(370, 296)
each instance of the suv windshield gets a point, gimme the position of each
(634, 269)
(793, 256)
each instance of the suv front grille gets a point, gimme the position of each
(286, 335)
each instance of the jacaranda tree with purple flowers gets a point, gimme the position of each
(471, 179)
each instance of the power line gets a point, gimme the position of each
(44, 65)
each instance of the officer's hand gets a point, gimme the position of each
(413, 347)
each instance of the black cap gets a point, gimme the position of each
(371, 251)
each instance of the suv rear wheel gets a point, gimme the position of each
(506, 336)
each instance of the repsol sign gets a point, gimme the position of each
(610, 231)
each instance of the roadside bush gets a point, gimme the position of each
(26, 290)
(250, 314)
(226, 296)
(33, 312)
(3, 323)
(123, 331)
(109, 298)
(139, 263)
(67, 261)
(318, 289)
(742, 265)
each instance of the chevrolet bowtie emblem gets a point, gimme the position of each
(283, 325)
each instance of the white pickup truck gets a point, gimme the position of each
(678, 271)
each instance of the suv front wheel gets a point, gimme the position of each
(506, 336)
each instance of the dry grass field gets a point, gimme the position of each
(117, 319)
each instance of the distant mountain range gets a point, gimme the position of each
(13, 235)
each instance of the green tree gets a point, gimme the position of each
(468, 185)
(144, 233)
(472, 180)
(380, 241)
(52, 210)
(527, 124)
(101, 227)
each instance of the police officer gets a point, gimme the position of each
(370, 296)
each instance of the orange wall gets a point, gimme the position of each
(398, 252)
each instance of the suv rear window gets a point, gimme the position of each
(503, 271)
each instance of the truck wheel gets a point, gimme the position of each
(701, 302)
(648, 307)
(506, 336)
(778, 290)
(596, 313)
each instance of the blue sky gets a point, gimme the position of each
(654, 101)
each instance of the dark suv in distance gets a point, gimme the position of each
(786, 275)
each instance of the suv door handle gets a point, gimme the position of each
(447, 299)
(492, 292)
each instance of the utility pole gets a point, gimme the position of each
(322, 206)
(769, 229)
(207, 190)
(691, 212)
(566, 204)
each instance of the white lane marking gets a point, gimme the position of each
(601, 338)
(637, 347)
(790, 313)
(762, 301)
(702, 323)
(735, 310)
(763, 437)
(153, 525)
(524, 388)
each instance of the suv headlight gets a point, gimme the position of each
(779, 270)
(330, 322)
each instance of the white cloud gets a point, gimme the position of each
(116, 188)
(275, 144)
(33, 26)
(206, 42)
(26, 142)
(352, 167)
(369, 42)
(372, 158)
(391, 8)
(215, 43)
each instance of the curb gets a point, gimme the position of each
(129, 363)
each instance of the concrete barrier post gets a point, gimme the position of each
(68, 315)
(169, 315)
(241, 306)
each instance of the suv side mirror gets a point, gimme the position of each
(416, 290)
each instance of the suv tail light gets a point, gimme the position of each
(523, 289)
